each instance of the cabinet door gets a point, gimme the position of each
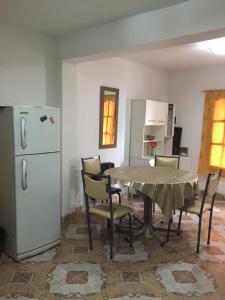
(156, 112)
(162, 112)
(151, 111)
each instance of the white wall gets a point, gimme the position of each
(69, 138)
(29, 72)
(142, 82)
(81, 104)
(186, 90)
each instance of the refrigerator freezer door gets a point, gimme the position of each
(37, 200)
(36, 130)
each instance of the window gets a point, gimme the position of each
(217, 155)
(108, 117)
(212, 155)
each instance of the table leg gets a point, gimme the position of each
(149, 230)
(147, 226)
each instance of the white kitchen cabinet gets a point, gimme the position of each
(151, 121)
(156, 113)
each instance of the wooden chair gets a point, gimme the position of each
(168, 161)
(198, 206)
(101, 189)
(92, 165)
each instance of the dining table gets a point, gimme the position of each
(168, 187)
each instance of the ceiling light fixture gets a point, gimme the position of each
(216, 46)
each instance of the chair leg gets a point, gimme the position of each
(129, 193)
(89, 229)
(168, 230)
(199, 233)
(178, 227)
(210, 225)
(111, 238)
(130, 231)
(119, 198)
(108, 224)
(153, 206)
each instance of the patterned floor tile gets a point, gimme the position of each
(81, 250)
(136, 296)
(16, 297)
(171, 249)
(146, 271)
(217, 210)
(131, 277)
(80, 231)
(220, 229)
(85, 278)
(124, 253)
(186, 218)
(176, 278)
(43, 257)
(24, 277)
(78, 277)
(214, 252)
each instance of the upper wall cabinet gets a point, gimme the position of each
(156, 113)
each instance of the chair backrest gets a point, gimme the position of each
(91, 165)
(97, 189)
(211, 188)
(167, 161)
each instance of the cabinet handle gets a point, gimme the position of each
(160, 121)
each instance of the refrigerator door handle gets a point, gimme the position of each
(24, 174)
(23, 133)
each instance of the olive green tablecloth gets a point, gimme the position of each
(166, 186)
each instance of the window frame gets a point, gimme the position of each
(222, 144)
(104, 89)
(205, 166)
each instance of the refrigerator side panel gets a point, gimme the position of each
(37, 130)
(7, 183)
(37, 201)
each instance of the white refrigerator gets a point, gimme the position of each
(30, 195)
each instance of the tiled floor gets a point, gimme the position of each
(145, 272)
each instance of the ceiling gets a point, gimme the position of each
(177, 58)
(58, 17)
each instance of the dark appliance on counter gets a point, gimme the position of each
(176, 140)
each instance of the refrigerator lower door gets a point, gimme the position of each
(38, 205)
